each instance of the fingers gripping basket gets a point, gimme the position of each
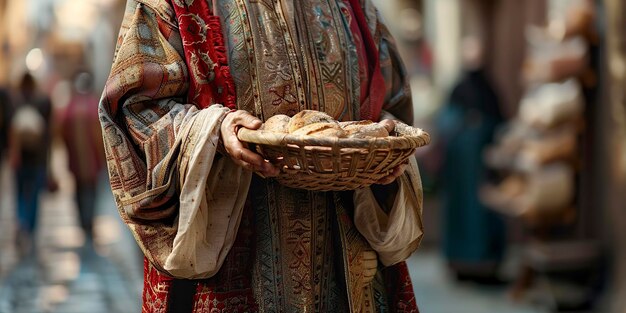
(330, 163)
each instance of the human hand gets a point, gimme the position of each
(397, 172)
(390, 125)
(237, 150)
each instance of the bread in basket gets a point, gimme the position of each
(315, 152)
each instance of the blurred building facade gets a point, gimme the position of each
(54, 39)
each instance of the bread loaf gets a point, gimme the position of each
(321, 130)
(365, 129)
(351, 127)
(350, 124)
(308, 117)
(320, 124)
(277, 123)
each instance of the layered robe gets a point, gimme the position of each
(217, 238)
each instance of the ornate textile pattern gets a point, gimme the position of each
(353, 55)
(239, 50)
(281, 68)
(295, 254)
(400, 288)
(391, 289)
(229, 291)
(326, 60)
(295, 250)
(258, 51)
(145, 127)
(139, 184)
(267, 272)
(372, 105)
(361, 293)
(155, 290)
(205, 54)
(274, 77)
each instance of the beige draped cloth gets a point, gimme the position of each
(394, 235)
(213, 191)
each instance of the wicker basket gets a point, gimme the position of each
(332, 164)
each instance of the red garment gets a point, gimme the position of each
(80, 129)
(373, 104)
(205, 91)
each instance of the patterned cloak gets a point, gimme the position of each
(213, 235)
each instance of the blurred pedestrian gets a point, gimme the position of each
(29, 153)
(474, 236)
(5, 119)
(80, 130)
(5, 115)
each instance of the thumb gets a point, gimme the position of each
(249, 121)
(390, 125)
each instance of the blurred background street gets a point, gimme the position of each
(64, 273)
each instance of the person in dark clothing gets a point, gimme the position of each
(5, 116)
(80, 130)
(474, 236)
(29, 153)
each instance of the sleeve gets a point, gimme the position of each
(396, 232)
(390, 217)
(161, 151)
(398, 101)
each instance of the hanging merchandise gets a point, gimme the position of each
(551, 59)
(547, 105)
(539, 154)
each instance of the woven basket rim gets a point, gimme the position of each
(409, 138)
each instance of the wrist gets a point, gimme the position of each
(221, 149)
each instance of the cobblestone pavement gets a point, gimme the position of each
(435, 292)
(62, 272)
